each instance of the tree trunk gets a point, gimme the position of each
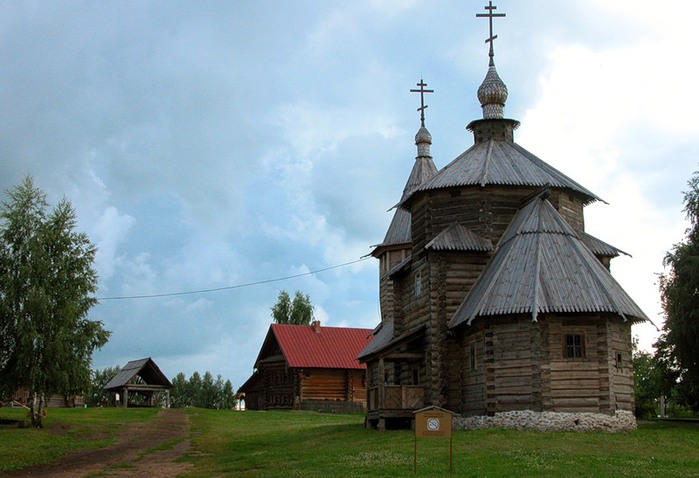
(35, 411)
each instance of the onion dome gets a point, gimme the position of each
(423, 140)
(492, 94)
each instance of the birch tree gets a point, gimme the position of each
(47, 286)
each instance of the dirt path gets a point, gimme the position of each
(131, 455)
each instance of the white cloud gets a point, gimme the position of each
(109, 231)
(619, 120)
(208, 146)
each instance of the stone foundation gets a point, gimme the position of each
(622, 421)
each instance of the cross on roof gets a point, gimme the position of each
(490, 15)
(422, 92)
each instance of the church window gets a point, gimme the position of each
(574, 346)
(618, 361)
(472, 357)
(418, 286)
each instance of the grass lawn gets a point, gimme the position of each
(268, 444)
(64, 429)
(288, 444)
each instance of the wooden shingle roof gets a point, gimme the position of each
(457, 237)
(399, 230)
(383, 334)
(542, 266)
(501, 163)
(144, 368)
(601, 248)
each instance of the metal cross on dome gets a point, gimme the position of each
(490, 15)
(422, 92)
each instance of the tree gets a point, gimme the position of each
(209, 393)
(228, 400)
(178, 393)
(95, 396)
(679, 290)
(298, 311)
(194, 386)
(201, 392)
(46, 290)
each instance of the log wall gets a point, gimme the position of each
(520, 365)
(620, 365)
(512, 368)
(279, 386)
(570, 207)
(486, 211)
(333, 384)
(576, 384)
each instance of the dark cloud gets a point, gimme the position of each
(224, 143)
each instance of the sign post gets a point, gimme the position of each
(432, 422)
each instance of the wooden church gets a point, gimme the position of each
(493, 297)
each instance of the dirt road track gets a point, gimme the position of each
(131, 455)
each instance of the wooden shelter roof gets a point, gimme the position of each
(542, 266)
(456, 237)
(144, 368)
(500, 163)
(307, 346)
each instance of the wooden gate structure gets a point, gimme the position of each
(139, 378)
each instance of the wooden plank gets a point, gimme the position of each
(576, 402)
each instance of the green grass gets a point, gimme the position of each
(65, 429)
(307, 444)
(270, 444)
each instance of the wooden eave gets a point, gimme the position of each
(457, 237)
(142, 387)
(385, 348)
(400, 268)
(272, 359)
(601, 248)
(499, 163)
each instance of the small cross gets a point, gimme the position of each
(422, 92)
(490, 15)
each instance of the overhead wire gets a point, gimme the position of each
(230, 287)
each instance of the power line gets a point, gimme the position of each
(230, 287)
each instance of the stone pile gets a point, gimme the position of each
(622, 421)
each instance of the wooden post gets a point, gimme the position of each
(382, 384)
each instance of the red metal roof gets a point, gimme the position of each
(329, 347)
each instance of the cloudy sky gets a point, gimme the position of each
(208, 145)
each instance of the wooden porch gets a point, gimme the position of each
(395, 403)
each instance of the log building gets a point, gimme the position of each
(493, 297)
(309, 367)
